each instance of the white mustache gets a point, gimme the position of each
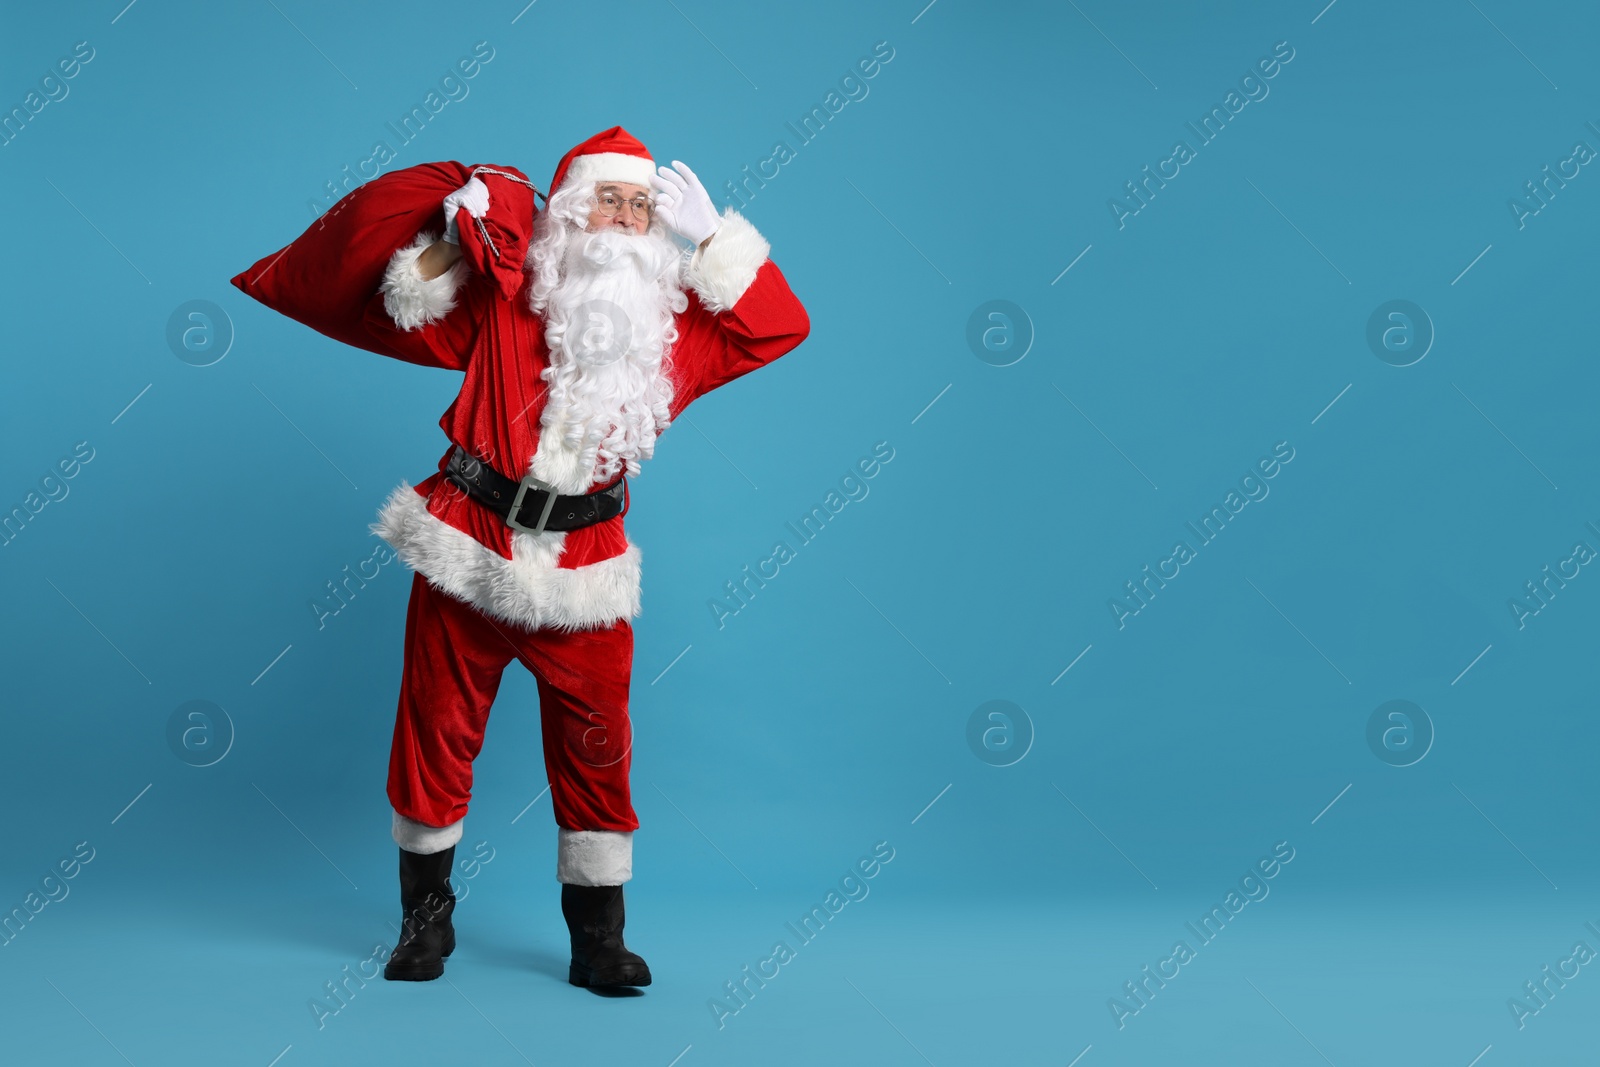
(611, 250)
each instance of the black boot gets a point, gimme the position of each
(427, 901)
(599, 958)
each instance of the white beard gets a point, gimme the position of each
(609, 326)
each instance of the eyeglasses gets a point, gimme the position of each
(611, 203)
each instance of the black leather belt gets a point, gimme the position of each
(532, 505)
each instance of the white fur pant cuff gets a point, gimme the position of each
(594, 857)
(421, 838)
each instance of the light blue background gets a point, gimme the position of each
(1228, 315)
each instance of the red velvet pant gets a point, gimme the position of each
(454, 658)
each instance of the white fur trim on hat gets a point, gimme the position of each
(609, 167)
(594, 857)
(411, 300)
(423, 839)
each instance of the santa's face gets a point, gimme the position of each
(622, 195)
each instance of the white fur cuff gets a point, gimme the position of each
(411, 300)
(423, 839)
(724, 269)
(594, 857)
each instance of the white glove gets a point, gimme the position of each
(474, 196)
(683, 203)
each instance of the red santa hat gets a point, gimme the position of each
(613, 155)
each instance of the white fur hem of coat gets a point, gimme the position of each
(594, 857)
(722, 271)
(411, 300)
(423, 839)
(527, 590)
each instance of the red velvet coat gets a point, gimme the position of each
(741, 315)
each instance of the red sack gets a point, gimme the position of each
(326, 276)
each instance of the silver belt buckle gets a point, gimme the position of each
(530, 482)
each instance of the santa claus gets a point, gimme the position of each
(518, 541)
